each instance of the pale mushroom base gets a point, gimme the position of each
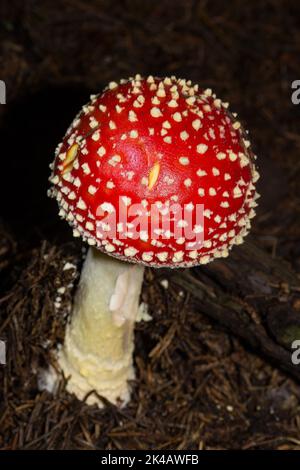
(98, 348)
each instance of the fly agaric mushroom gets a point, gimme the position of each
(144, 143)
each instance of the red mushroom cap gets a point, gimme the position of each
(154, 143)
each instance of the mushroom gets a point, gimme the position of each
(152, 172)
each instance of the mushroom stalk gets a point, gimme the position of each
(98, 349)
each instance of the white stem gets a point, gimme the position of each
(98, 348)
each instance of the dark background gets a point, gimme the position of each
(53, 54)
